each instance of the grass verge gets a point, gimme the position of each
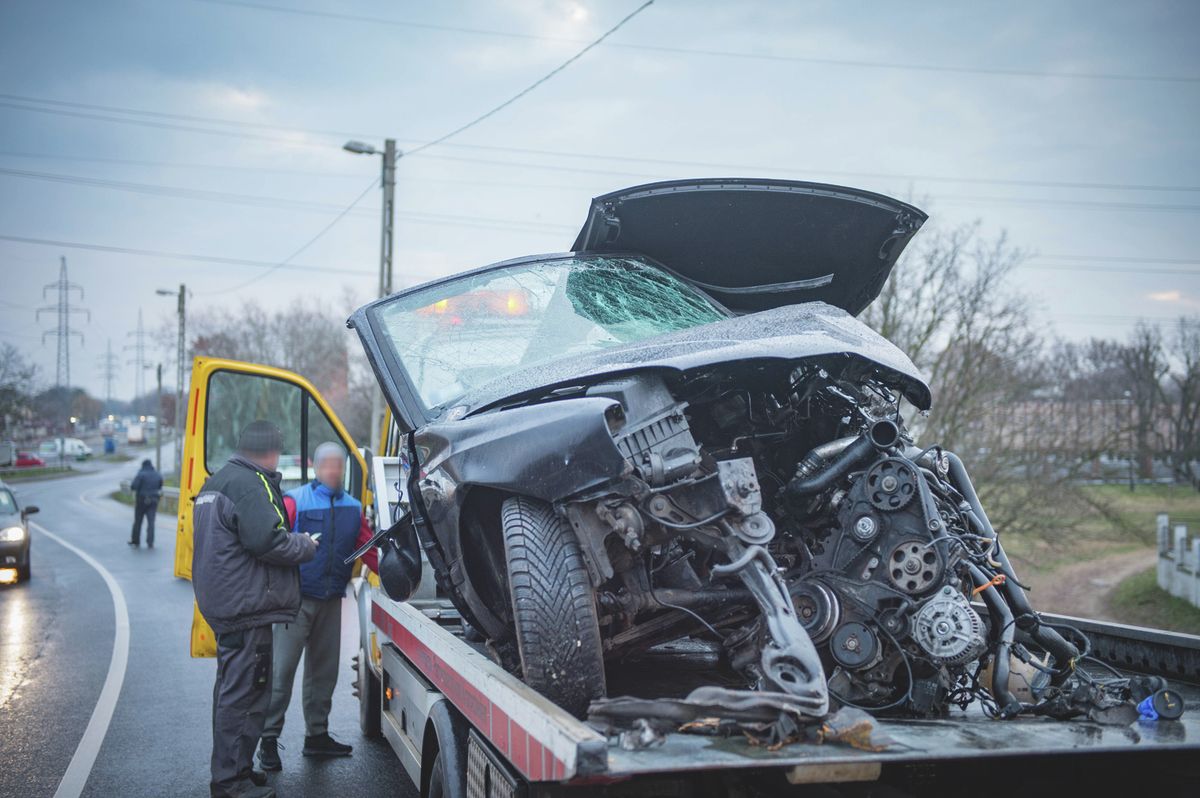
(166, 504)
(42, 472)
(1140, 601)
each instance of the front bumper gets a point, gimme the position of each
(14, 554)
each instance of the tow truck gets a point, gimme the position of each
(461, 725)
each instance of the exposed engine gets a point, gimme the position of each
(796, 529)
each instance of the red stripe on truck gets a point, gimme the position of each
(526, 753)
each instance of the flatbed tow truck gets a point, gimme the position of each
(463, 726)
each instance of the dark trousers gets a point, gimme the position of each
(144, 508)
(240, 698)
(317, 634)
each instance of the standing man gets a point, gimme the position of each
(146, 488)
(245, 574)
(336, 520)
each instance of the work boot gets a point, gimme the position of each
(268, 754)
(258, 778)
(324, 745)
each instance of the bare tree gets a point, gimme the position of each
(309, 338)
(1183, 400)
(17, 375)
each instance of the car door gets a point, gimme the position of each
(225, 396)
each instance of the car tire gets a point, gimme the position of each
(554, 606)
(25, 572)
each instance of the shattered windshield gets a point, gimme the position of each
(454, 337)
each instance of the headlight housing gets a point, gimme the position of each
(12, 534)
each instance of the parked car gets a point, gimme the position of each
(680, 430)
(70, 447)
(14, 534)
(28, 460)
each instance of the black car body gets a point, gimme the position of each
(679, 429)
(14, 534)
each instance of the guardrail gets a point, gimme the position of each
(167, 491)
(1178, 561)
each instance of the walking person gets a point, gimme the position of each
(337, 522)
(245, 574)
(146, 488)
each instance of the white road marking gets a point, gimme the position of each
(84, 759)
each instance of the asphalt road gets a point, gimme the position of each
(57, 649)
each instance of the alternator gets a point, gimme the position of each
(948, 629)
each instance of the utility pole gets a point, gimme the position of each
(158, 426)
(180, 357)
(389, 196)
(388, 182)
(138, 347)
(63, 332)
(108, 371)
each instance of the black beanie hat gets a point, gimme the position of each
(260, 437)
(147, 464)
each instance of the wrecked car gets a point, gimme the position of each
(680, 431)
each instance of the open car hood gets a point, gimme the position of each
(756, 244)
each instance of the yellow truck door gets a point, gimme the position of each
(225, 396)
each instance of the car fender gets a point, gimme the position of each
(548, 451)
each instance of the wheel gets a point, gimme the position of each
(369, 698)
(25, 572)
(554, 608)
(437, 779)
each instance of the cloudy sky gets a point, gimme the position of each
(135, 131)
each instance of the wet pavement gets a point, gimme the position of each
(56, 648)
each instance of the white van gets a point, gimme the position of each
(71, 447)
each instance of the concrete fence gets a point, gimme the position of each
(1178, 561)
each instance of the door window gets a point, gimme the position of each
(234, 400)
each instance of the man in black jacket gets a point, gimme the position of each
(146, 488)
(245, 571)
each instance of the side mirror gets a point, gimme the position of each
(30, 510)
(400, 561)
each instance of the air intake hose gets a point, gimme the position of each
(879, 437)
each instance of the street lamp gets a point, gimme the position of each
(181, 347)
(388, 181)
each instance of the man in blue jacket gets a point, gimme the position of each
(336, 521)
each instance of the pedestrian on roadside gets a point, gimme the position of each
(337, 522)
(245, 574)
(146, 488)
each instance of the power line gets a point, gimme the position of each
(549, 75)
(163, 125)
(856, 63)
(444, 138)
(266, 201)
(152, 253)
(771, 168)
(261, 201)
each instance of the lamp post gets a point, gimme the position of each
(388, 181)
(180, 353)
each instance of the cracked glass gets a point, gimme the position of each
(458, 335)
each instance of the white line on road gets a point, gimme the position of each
(80, 768)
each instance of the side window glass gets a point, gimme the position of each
(321, 430)
(234, 400)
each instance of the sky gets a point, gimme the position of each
(136, 130)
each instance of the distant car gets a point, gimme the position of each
(14, 535)
(28, 460)
(71, 447)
